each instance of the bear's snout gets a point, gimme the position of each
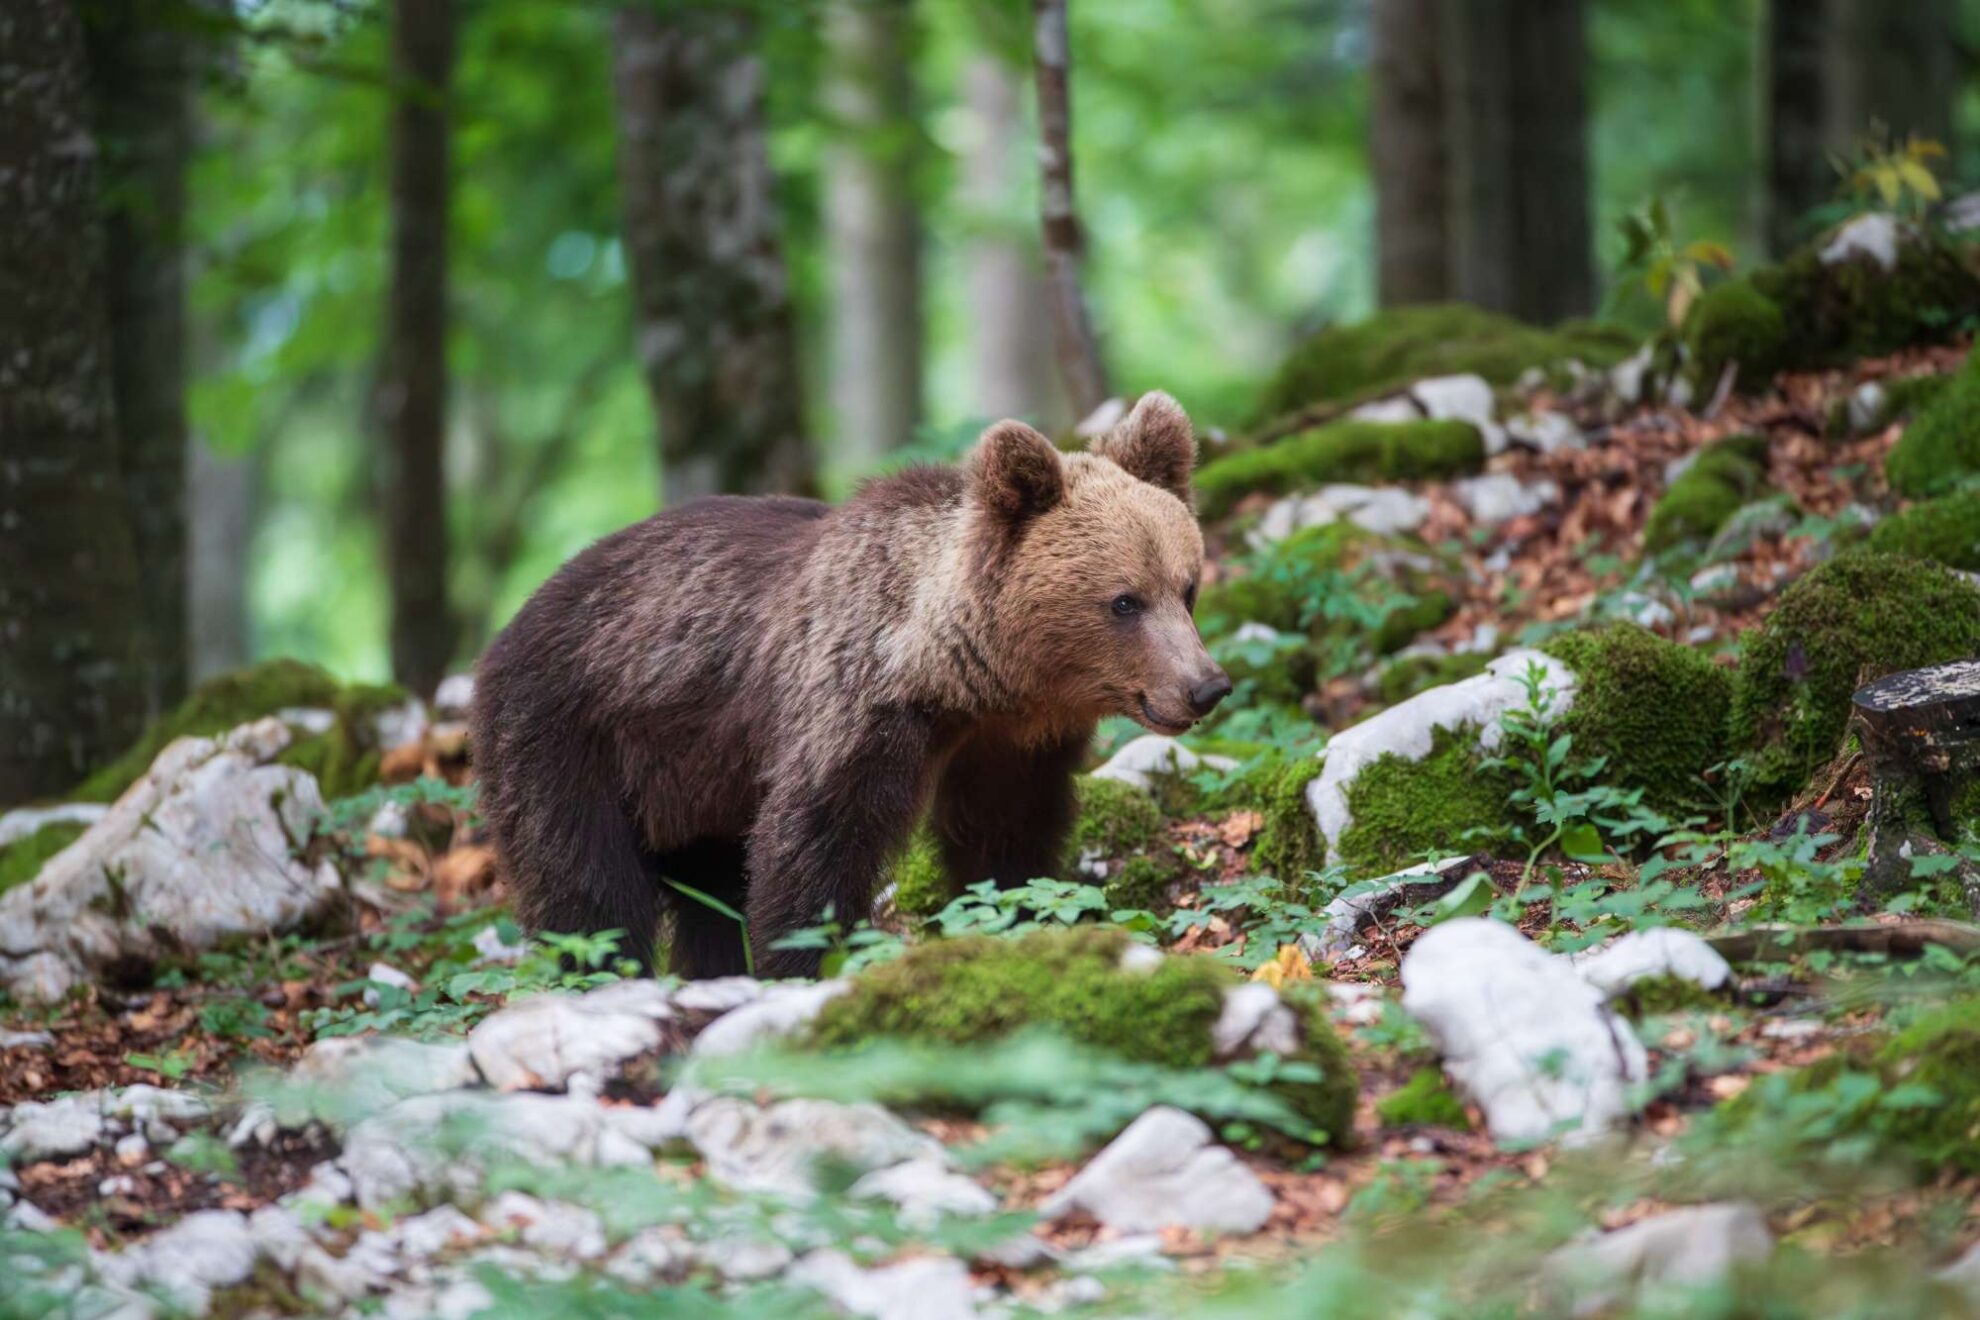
(1206, 692)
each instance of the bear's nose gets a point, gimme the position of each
(1203, 698)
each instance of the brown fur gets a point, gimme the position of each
(757, 698)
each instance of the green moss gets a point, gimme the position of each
(1341, 451)
(1735, 322)
(1945, 530)
(967, 991)
(922, 886)
(1289, 843)
(1857, 309)
(1722, 479)
(1405, 344)
(1941, 446)
(343, 759)
(1115, 818)
(22, 860)
(1426, 1099)
(1941, 1052)
(1403, 678)
(1402, 808)
(1656, 710)
(1861, 615)
(1383, 590)
(1656, 995)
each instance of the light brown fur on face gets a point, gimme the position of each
(757, 699)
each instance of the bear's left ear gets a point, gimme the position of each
(1016, 473)
(1154, 443)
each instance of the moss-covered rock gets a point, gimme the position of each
(344, 759)
(1722, 478)
(1426, 1099)
(1944, 530)
(1861, 615)
(1401, 809)
(1735, 322)
(1405, 676)
(1335, 582)
(1839, 311)
(22, 860)
(1289, 843)
(1654, 710)
(1941, 1052)
(1348, 451)
(1941, 447)
(967, 991)
(1405, 344)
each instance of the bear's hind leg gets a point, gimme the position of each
(706, 942)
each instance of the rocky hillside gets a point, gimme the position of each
(1572, 912)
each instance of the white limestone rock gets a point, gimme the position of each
(1521, 1032)
(38, 1130)
(774, 1149)
(1876, 236)
(1465, 398)
(1407, 729)
(1254, 1020)
(1385, 510)
(1345, 915)
(454, 698)
(779, 1012)
(1165, 1171)
(207, 1249)
(569, 1231)
(343, 1078)
(17, 824)
(198, 849)
(1547, 432)
(546, 1041)
(1692, 1247)
(926, 1191)
(1661, 951)
(921, 1288)
(1146, 760)
(1498, 497)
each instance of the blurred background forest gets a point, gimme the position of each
(409, 300)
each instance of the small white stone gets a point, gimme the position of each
(488, 943)
(17, 824)
(455, 695)
(26, 1040)
(385, 974)
(922, 1288)
(546, 1041)
(1497, 497)
(1877, 235)
(1102, 419)
(1547, 432)
(1162, 1171)
(565, 1230)
(1660, 951)
(132, 1149)
(781, 1011)
(1464, 398)
(1145, 760)
(926, 1190)
(49, 1129)
(1254, 1020)
(1691, 1247)
(1140, 959)
(776, 1149)
(1866, 405)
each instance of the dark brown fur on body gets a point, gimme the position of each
(757, 698)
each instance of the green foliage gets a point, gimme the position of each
(1122, 826)
(1402, 809)
(1404, 344)
(1735, 322)
(922, 885)
(1896, 175)
(1945, 530)
(1351, 451)
(1426, 1099)
(344, 759)
(1941, 446)
(1652, 711)
(1723, 477)
(1289, 845)
(22, 860)
(972, 990)
(1858, 616)
(1672, 271)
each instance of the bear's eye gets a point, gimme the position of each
(1127, 606)
(1189, 598)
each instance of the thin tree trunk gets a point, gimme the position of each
(710, 295)
(1894, 63)
(412, 389)
(1406, 151)
(220, 493)
(1080, 361)
(140, 70)
(1799, 176)
(1516, 111)
(71, 688)
(1008, 301)
(873, 228)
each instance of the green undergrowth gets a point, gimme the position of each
(1401, 345)
(1347, 451)
(1345, 587)
(1940, 448)
(1404, 677)
(344, 759)
(1289, 845)
(1426, 1099)
(22, 860)
(1719, 481)
(979, 989)
(1401, 809)
(1946, 530)
(1861, 615)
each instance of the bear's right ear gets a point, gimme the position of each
(1016, 473)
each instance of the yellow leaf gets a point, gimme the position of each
(1708, 253)
(1921, 148)
(1288, 964)
(1919, 179)
(1887, 183)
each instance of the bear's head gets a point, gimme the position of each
(1093, 562)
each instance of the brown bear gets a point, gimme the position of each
(757, 699)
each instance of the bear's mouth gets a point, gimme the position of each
(1156, 722)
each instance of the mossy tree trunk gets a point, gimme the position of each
(1080, 362)
(411, 397)
(711, 299)
(1407, 153)
(873, 228)
(71, 684)
(1921, 737)
(1516, 116)
(140, 66)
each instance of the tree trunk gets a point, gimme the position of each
(220, 496)
(1892, 62)
(412, 388)
(1406, 153)
(873, 228)
(71, 689)
(140, 71)
(1517, 116)
(1799, 176)
(1921, 739)
(1008, 301)
(1080, 361)
(710, 296)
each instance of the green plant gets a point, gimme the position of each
(1673, 272)
(1891, 174)
(1723, 477)
(715, 904)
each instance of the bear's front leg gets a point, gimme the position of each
(1002, 811)
(837, 807)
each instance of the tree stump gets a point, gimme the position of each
(1921, 739)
